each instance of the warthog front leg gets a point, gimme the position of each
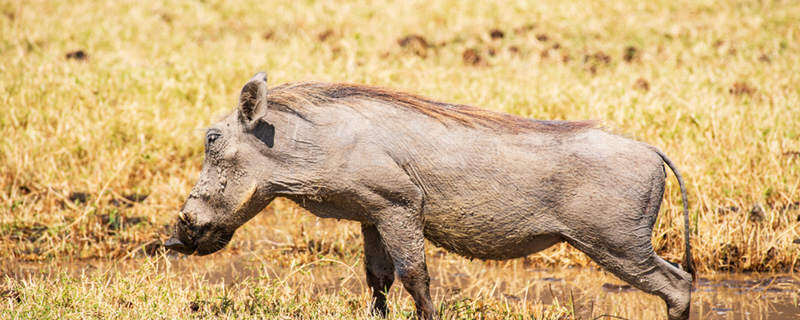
(380, 269)
(402, 235)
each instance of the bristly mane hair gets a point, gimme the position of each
(297, 96)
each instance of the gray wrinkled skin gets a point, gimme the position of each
(406, 176)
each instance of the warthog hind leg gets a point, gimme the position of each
(625, 249)
(650, 274)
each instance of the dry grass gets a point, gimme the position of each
(109, 99)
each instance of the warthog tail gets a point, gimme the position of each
(688, 262)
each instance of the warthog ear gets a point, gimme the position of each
(253, 99)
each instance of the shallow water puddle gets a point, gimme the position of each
(589, 292)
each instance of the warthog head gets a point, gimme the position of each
(234, 184)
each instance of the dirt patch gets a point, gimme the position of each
(790, 206)
(10, 15)
(740, 88)
(78, 197)
(764, 58)
(128, 200)
(29, 233)
(416, 44)
(79, 55)
(756, 214)
(496, 34)
(115, 221)
(122, 302)
(641, 84)
(11, 294)
(472, 57)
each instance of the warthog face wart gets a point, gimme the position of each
(234, 183)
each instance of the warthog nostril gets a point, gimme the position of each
(175, 244)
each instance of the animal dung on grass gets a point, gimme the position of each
(598, 56)
(472, 57)
(740, 88)
(194, 306)
(630, 54)
(641, 84)
(416, 44)
(79, 55)
(325, 35)
(496, 34)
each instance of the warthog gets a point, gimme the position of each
(481, 184)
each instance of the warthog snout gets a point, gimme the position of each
(200, 239)
(182, 239)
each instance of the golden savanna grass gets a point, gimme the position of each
(104, 102)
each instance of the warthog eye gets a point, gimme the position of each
(212, 136)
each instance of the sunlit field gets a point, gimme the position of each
(104, 105)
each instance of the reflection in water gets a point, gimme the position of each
(590, 292)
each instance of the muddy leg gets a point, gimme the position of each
(380, 270)
(646, 271)
(403, 238)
